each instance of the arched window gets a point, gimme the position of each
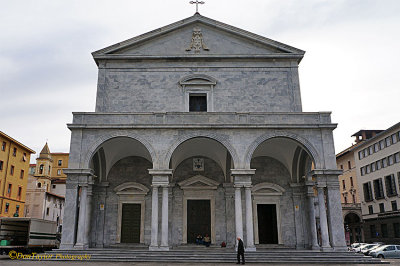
(41, 169)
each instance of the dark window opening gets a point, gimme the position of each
(197, 103)
(381, 207)
(394, 205)
(384, 230)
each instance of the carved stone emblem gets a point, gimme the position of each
(198, 164)
(197, 41)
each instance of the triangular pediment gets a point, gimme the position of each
(198, 182)
(266, 189)
(217, 39)
(131, 188)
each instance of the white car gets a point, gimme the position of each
(355, 245)
(368, 248)
(358, 249)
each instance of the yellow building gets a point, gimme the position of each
(49, 167)
(14, 168)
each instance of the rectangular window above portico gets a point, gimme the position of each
(197, 103)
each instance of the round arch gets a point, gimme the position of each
(93, 149)
(352, 213)
(308, 147)
(222, 140)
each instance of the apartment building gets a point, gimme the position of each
(378, 166)
(14, 167)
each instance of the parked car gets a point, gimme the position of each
(355, 245)
(358, 249)
(386, 251)
(369, 248)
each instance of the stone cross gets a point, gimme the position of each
(197, 4)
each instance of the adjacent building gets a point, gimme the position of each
(378, 166)
(350, 194)
(14, 167)
(45, 195)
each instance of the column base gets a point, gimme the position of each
(153, 248)
(81, 246)
(251, 249)
(158, 248)
(315, 247)
(66, 246)
(326, 249)
(340, 248)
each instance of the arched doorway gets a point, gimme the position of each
(278, 215)
(121, 165)
(353, 228)
(201, 169)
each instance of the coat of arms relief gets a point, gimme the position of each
(197, 42)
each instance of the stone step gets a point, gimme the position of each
(220, 256)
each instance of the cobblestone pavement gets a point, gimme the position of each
(5, 261)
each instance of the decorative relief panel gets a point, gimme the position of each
(197, 42)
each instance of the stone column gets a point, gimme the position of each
(311, 212)
(80, 238)
(154, 219)
(335, 218)
(76, 178)
(164, 219)
(242, 178)
(249, 220)
(70, 215)
(230, 214)
(298, 205)
(238, 213)
(160, 179)
(322, 219)
(88, 217)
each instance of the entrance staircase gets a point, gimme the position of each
(202, 254)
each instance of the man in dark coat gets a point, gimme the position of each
(240, 251)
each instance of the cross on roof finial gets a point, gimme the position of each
(197, 4)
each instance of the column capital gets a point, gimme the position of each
(160, 177)
(326, 172)
(246, 172)
(321, 184)
(242, 177)
(80, 176)
(160, 172)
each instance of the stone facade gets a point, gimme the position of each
(250, 154)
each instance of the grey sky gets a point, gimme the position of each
(47, 72)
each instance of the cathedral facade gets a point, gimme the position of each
(199, 130)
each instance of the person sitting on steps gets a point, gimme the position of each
(207, 240)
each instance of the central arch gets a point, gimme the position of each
(223, 140)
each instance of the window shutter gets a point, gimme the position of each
(388, 185)
(381, 187)
(393, 184)
(370, 191)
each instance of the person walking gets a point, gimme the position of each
(240, 251)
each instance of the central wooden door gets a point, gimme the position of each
(130, 223)
(267, 224)
(198, 219)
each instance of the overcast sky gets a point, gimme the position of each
(351, 66)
